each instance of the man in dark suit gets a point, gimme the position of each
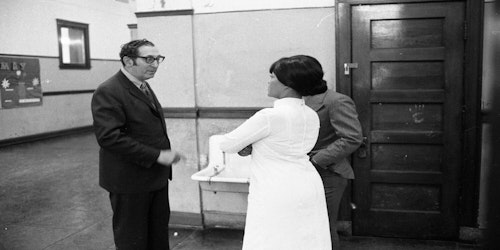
(339, 136)
(135, 158)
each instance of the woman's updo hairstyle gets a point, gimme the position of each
(302, 73)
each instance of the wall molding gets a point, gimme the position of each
(172, 113)
(186, 113)
(57, 57)
(68, 92)
(211, 112)
(30, 56)
(227, 112)
(44, 136)
(185, 12)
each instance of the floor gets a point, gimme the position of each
(49, 199)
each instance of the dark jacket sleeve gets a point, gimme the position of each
(344, 120)
(111, 128)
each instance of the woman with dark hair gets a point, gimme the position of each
(286, 201)
(301, 72)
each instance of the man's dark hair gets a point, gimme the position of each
(302, 73)
(131, 48)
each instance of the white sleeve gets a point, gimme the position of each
(252, 130)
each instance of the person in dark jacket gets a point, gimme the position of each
(339, 136)
(135, 159)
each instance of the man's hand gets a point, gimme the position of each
(169, 157)
(246, 151)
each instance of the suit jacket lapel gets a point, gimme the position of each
(133, 90)
(315, 102)
(137, 93)
(158, 107)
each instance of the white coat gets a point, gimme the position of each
(286, 201)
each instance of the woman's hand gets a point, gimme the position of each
(246, 151)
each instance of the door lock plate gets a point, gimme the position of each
(348, 66)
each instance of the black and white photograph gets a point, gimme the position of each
(249, 124)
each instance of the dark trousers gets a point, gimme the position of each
(334, 189)
(140, 221)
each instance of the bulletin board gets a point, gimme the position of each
(20, 84)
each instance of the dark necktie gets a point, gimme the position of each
(145, 90)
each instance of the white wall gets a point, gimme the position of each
(174, 81)
(29, 26)
(234, 51)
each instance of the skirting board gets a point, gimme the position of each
(216, 219)
(184, 219)
(44, 136)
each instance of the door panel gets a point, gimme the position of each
(407, 33)
(407, 75)
(408, 92)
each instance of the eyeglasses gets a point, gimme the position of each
(151, 59)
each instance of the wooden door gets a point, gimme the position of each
(408, 91)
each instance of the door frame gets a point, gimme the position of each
(471, 110)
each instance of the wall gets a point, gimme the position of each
(30, 30)
(219, 59)
(232, 62)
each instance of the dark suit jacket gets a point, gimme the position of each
(339, 134)
(131, 133)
